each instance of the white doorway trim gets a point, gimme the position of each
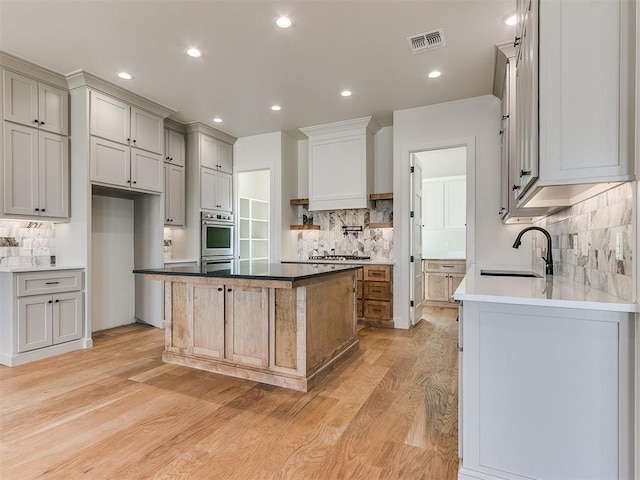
(401, 209)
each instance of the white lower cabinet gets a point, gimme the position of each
(546, 393)
(45, 320)
(44, 314)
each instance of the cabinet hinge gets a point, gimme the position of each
(412, 169)
(411, 259)
(411, 303)
(411, 213)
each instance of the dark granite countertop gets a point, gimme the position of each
(254, 271)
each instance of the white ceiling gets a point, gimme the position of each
(249, 64)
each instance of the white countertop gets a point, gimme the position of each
(39, 268)
(557, 291)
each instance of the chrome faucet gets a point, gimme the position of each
(549, 259)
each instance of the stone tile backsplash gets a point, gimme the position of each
(26, 243)
(374, 242)
(594, 223)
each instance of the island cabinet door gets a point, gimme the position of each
(208, 320)
(247, 325)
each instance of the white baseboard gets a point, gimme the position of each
(46, 352)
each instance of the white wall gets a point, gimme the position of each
(383, 160)
(112, 262)
(255, 184)
(277, 152)
(423, 128)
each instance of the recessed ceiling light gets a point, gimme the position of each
(194, 52)
(217, 120)
(284, 22)
(510, 19)
(345, 93)
(276, 108)
(125, 76)
(435, 74)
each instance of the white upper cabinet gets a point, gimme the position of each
(118, 165)
(216, 190)
(110, 118)
(36, 172)
(147, 131)
(341, 164)
(175, 147)
(445, 201)
(147, 171)
(216, 154)
(37, 104)
(174, 199)
(110, 162)
(116, 120)
(225, 157)
(576, 124)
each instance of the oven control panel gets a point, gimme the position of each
(220, 217)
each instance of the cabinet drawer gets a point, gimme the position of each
(376, 309)
(458, 266)
(377, 291)
(377, 273)
(40, 283)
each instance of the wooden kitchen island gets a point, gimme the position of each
(280, 324)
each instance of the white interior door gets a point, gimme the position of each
(415, 228)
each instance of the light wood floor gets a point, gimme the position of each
(116, 411)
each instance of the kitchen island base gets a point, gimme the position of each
(288, 333)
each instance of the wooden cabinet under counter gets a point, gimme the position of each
(375, 295)
(281, 324)
(441, 279)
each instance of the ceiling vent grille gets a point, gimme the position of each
(426, 41)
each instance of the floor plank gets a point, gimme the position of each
(117, 411)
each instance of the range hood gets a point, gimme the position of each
(341, 164)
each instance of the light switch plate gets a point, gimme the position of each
(619, 246)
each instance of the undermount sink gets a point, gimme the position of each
(510, 273)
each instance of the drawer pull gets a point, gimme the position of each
(51, 283)
(446, 266)
(377, 310)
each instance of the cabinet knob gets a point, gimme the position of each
(57, 301)
(36, 121)
(128, 139)
(525, 172)
(515, 187)
(128, 181)
(134, 182)
(171, 159)
(50, 301)
(41, 123)
(167, 158)
(37, 209)
(43, 210)
(228, 290)
(134, 141)
(219, 289)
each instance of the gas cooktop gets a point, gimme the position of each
(338, 257)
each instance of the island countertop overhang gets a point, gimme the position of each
(283, 275)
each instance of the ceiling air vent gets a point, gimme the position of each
(426, 41)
